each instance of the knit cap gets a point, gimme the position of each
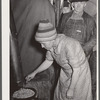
(46, 31)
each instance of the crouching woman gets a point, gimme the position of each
(74, 82)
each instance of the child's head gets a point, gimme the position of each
(46, 34)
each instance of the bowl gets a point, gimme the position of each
(32, 97)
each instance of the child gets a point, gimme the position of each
(74, 82)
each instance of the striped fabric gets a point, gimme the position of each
(45, 32)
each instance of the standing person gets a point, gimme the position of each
(74, 82)
(79, 25)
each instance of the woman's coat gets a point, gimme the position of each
(69, 54)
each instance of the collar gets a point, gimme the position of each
(71, 12)
(76, 15)
(57, 44)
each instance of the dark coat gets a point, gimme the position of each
(27, 15)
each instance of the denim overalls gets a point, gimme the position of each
(76, 29)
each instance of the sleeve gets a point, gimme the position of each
(75, 54)
(88, 47)
(49, 56)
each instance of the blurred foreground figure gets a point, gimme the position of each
(27, 14)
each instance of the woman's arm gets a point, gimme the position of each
(76, 57)
(75, 77)
(45, 65)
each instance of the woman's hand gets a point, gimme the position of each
(70, 94)
(30, 76)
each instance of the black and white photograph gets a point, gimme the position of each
(53, 46)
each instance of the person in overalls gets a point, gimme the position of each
(74, 82)
(82, 27)
(79, 25)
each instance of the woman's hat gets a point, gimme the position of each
(78, 0)
(45, 32)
